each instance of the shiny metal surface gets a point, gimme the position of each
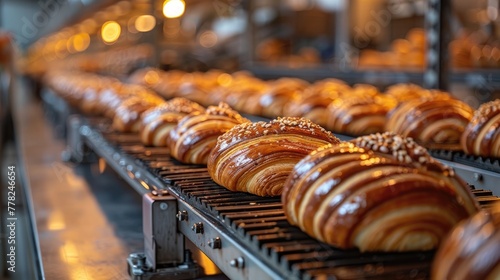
(87, 221)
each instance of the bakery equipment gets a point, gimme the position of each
(247, 237)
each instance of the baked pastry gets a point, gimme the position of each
(314, 108)
(90, 99)
(192, 139)
(313, 103)
(196, 86)
(70, 86)
(114, 95)
(169, 83)
(279, 93)
(436, 123)
(157, 122)
(482, 135)
(127, 117)
(472, 250)
(405, 92)
(242, 94)
(357, 116)
(379, 192)
(257, 157)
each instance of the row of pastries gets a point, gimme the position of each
(434, 119)
(381, 191)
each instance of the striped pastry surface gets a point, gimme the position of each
(380, 192)
(436, 123)
(482, 135)
(358, 116)
(157, 122)
(127, 117)
(472, 250)
(258, 157)
(192, 139)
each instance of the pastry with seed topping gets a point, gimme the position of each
(258, 157)
(482, 135)
(379, 192)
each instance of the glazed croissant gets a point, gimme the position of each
(482, 135)
(357, 116)
(257, 157)
(279, 94)
(127, 115)
(192, 139)
(406, 92)
(113, 96)
(472, 250)
(380, 192)
(157, 122)
(436, 123)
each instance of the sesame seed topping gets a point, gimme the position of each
(404, 150)
(486, 110)
(225, 110)
(276, 126)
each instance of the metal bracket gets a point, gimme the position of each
(164, 254)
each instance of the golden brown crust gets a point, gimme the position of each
(482, 134)
(194, 137)
(471, 250)
(435, 123)
(377, 193)
(196, 86)
(112, 97)
(280, 92)
(127, 116)
(357, 116)
(405, 92)
(257, 157)
(313, 108)
(157, 122)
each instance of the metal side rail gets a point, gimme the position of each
(477, 171)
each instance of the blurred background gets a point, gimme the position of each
(377, 41)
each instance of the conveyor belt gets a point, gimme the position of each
(491, 164)
(261, 224)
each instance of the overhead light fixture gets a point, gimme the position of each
(173, 8)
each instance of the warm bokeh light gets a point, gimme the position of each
(145, 23)
(81, 42)
(208, 39)
(110, 31)
(173, 8)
